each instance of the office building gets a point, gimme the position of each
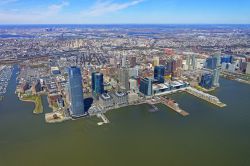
(211, 63)
(133, 62)
(134, 72)
(216, 77)
(248, 68)
(227, 59)
(36, 87)
(206, 81)
(124, 61)
(159, 73)
(156, 61)
(106, 101)
(146, 86)
(133, 85)
(76, 93)
(120, 99)
(97, 84)
(124, 78)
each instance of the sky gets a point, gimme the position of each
(124, 11)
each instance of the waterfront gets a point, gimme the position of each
(208, 136)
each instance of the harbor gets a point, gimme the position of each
(5, 75)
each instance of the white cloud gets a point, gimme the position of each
(3, 2)
(102, 7)
(35, 15)
(56, 8)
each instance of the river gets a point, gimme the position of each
(208, 136)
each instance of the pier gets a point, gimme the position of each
(103, 117)
(169, 103)
(174, 106)
(207, 97)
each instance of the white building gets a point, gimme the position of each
(106, 101)
(133, 85)
(248, 68)
(120, 98)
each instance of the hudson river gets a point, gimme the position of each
(209, 136)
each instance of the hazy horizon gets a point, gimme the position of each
(124, 12)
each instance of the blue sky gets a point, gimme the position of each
(124, 11)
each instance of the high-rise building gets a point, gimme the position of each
(156, 61)
(36, 87)
(97, 84)
(211, 63)
(76, 93)
(191, 62)
(216, 77)
(248, 68)
(124, 61)
(124, 78)
(227, 59)
(206, 80)
(133, 84)
(159, 73)
(134, 72)
(146, 86)
(133, 62)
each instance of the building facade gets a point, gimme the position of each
(159, 73)
(206, 81)
(76, 93)
(146, 86)
(97, 84)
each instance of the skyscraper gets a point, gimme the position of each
(211, 63)
(76, 93)
(206, 81)
(159, 73)
(146, 86)
(124, 78)
(216, 77)
(133, 62)
(156, 61)
(124, 61)
(97, 84)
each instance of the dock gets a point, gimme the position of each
(174, 106)
(205, 96)
(104, 118)
(169, 103)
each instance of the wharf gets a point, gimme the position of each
(207, 97)
(174, 106)
(169, 103)
(104, 118)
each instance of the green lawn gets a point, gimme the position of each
(38, 103)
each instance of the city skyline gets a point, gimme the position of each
(124, 12)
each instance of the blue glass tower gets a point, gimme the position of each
(97, 84)
(211, 63)
(146, 86)
(159, 73)
(227, 59)
(76, 93)
(206, 81)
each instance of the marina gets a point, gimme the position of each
(5, 75)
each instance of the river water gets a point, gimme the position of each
(208, 136)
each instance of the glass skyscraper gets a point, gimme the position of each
(97, 84)
(206, 81)
(146, 86)
(76, 93)
(159, 73)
